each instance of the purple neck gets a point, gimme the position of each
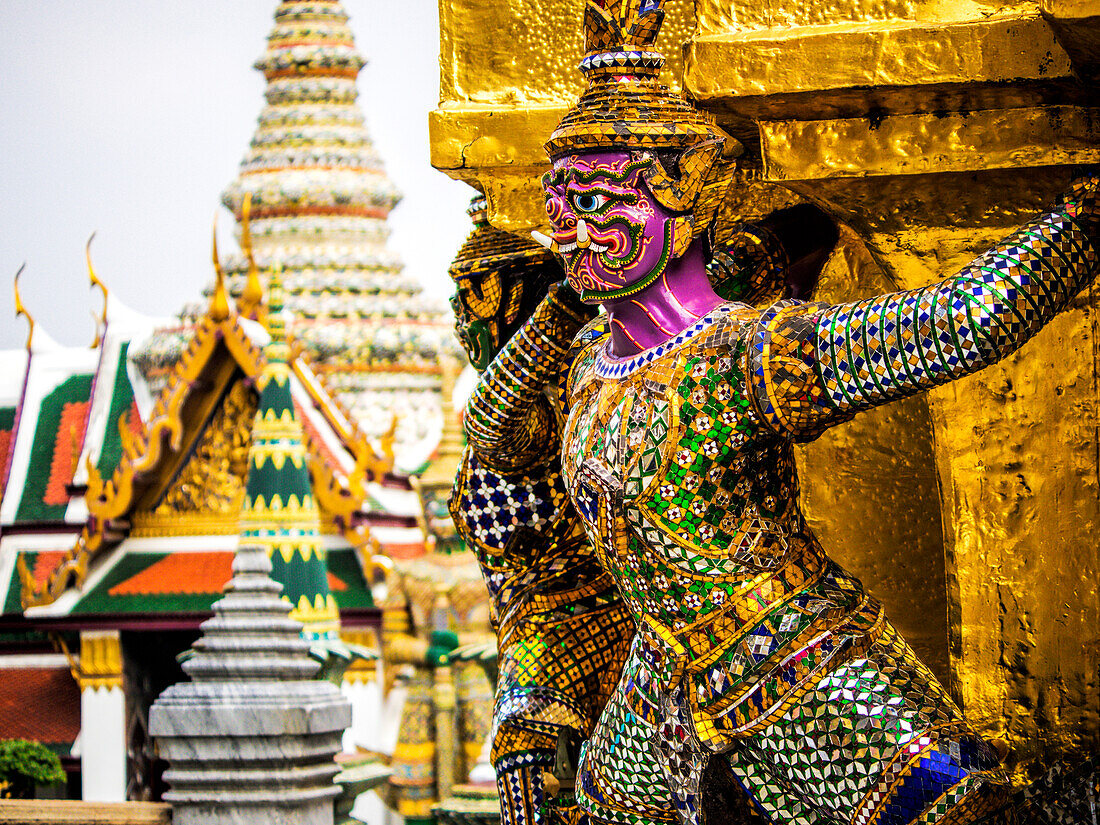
(665, 308)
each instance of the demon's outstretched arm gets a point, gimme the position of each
(814, 365)
(504, 424)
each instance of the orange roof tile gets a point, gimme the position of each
(180, 573)
(70, 440)
(5, 445)
(39, 704)
(133, 420)
(402, 552)
(189, 573)
(45, 562)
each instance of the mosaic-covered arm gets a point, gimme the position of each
(504, 424)
(813, 365)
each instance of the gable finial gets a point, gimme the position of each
(21, 309)
(219, 301)
(250, 304)
(101, 321)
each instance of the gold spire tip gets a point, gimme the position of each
(101, 322)
(219, 302)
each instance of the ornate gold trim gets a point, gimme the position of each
(100, 662)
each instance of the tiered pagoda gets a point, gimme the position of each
(320, 202)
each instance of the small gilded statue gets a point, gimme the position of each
(563, 631)
(758, 663)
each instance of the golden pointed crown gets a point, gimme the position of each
(625, 108)
(619, 35)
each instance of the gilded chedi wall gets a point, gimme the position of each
(928, 131)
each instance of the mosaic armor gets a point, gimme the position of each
(562, 630)
(758, 663)
(751, 643)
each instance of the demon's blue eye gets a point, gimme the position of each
(589, 202)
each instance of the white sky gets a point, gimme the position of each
(129, 117)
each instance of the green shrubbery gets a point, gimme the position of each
(23, 765)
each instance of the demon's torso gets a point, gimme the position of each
(691, 501)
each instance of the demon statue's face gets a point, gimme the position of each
(614, 236)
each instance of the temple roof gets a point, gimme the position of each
(61, 409)
(145, 437)
(46, 431)
(147, 577)
(180, 469)
(54, 696)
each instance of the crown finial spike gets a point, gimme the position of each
(219, 301)
(93, 278)
(622, 26)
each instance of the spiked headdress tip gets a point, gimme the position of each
(624, 105)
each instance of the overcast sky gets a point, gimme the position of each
(129, 117)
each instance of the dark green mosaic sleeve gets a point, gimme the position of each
(815, 365)
(504, 422)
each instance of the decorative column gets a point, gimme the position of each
(361, 687)
(102, 717)
(444, 698)
(252, 738)
(444, 701)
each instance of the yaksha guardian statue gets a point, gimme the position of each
(757, 661)
(563, 631)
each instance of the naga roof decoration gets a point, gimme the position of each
(312, 198)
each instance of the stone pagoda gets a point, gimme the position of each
(320, 203)
(252, 739)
